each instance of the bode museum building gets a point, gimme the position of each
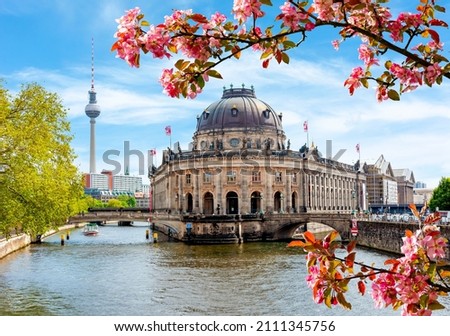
(240, 163)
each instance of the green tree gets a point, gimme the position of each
(114, 203)
(441, 195)
(127, 201)
(39, 184)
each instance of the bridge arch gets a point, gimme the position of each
(285, 225)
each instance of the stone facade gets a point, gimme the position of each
(240, 163)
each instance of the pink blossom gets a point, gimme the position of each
(156, 40)
(244, 9)
(167, 82)
(383, 291)
(432, 72)
(353, 81)
(434, 245)
(126, 45)
(382, 93)
(335, 44)
(410, 289)
(409, 247)
(325, 9)
(367, 55)
(290, 16)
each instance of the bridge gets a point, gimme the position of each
(378, 234)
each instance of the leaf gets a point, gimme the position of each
(343, 302)
(351, 246)
(145, 23)
(309, 237)
(199, 18)
(285, 58)
(361, 287)
(266, 2)
(392, 94)
(413, 209)
(350, 259)
(236, 51)
(296, 243)
(331, 236)
(214, 73)
(432, 218)
(434, 35)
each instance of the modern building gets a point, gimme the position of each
(240, 162)
(382, 186)
(405, 186)
(106, 186)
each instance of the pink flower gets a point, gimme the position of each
(325, 9)
(367, 55)
(244, 9)
(382, 93)
(383, 290)
(432, 72)
(353, 81)
(290, 16)
(435, 246)
(167, 81)
(126, 46)
(156, 40)
(409, 247)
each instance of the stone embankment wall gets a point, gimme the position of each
(13, 244)
(387, 236)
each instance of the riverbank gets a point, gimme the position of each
(17, 242)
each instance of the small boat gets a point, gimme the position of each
(90, 229)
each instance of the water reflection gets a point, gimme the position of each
(120, 273)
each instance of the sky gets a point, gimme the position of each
(49, 42)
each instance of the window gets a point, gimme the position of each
(266, 113)
(207, 177)
(231, 176)
(256, 176)
(294, 177)
(188, 178)
(234, 142)
(278, 177)
(234, 111)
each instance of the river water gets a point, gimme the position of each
(120, 273)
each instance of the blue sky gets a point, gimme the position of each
(49, 42)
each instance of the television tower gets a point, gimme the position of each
(92, 111)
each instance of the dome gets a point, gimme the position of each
(239, 109)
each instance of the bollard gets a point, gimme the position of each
(62, 240)
(155, 237)
(147, 234)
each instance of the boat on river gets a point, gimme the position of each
(90, 229)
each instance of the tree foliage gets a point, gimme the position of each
(39, 184)
(207, 42)
(441, 195)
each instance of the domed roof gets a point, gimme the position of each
(239, 108)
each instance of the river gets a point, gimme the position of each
(120, 273)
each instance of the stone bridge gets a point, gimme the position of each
(382, 235)
(223, 228)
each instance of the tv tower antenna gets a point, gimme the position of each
(92, 110)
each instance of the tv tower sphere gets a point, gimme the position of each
(92, 109)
